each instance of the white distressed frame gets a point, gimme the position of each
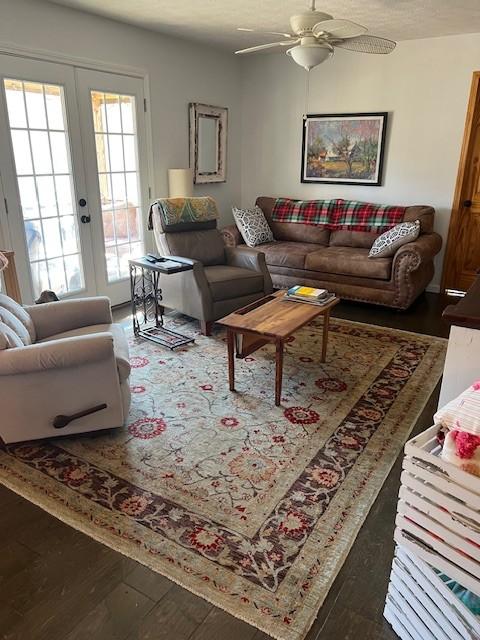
(220, 114)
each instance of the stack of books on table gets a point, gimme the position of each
(309, 295)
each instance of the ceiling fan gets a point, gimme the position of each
(316, 34)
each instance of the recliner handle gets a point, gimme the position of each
(61, 421)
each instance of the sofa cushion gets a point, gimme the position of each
(350, 261)
(120, 344)
(359, 239)
(15, 316)
(292, 231)
(424, 214)
(228, 282)
(288, 254)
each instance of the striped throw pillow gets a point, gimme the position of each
(463, 413)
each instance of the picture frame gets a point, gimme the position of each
(208, 143)
(344, 148)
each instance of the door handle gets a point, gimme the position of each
(467, 204)
(85, 219)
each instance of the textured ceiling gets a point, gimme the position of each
(215, 21)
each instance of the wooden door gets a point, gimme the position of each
(462, 259)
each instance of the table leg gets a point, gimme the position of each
(133, 277)
(231, 359)
(326, 324)
(278, 372)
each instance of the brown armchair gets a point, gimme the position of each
(223, 278)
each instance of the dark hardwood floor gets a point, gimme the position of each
(58, 584)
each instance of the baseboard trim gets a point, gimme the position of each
(433, 288)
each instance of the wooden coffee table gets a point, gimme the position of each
(270, 319)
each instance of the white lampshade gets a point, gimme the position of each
(180, 183)
(310, 55)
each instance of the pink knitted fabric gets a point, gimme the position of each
(466, 444)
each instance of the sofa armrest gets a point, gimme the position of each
(56, 317)
(231, 236)
(423, 249)
(57, 354)
(249, 258)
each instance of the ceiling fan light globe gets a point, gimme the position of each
(309, 56)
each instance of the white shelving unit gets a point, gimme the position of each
(437, 528)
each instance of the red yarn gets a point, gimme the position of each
(466, 443)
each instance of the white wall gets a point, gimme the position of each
(423, 84)
(180, 72)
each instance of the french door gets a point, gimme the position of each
(73, 166)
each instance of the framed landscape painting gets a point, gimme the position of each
(344, 148)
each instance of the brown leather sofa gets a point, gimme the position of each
(338, 260)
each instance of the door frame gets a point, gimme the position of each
(449, 264)
(8, 48)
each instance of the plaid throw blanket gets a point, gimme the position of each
(338, 215)
(180, 210)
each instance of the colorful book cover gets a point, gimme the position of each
(307, 292)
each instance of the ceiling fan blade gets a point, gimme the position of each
(367, 44)
(270, 45)
(267, 33)
(338, 29)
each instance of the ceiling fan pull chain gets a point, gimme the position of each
(307, 94)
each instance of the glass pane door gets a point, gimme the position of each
(116, 144)
(43, 167)
(113, 129)
(73, 169)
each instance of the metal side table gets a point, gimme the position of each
(146, 294)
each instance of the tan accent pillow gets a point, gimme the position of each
(387, 243)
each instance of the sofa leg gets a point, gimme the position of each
(206, 328)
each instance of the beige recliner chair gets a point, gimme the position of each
(223, 279)
(64, 369)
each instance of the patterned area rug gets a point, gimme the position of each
(250, 506)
